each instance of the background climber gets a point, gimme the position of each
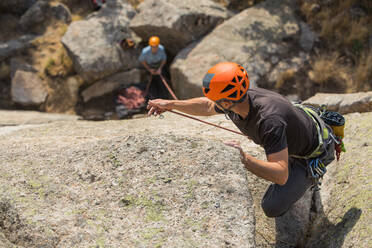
(153, 58)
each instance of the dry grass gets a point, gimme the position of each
(4, 70)
(363, 73)
(50, 63)
(62, 29)
(336, 23)
(78, 7)
(232, 4)
(306, 9)
(239, 5)
(135, 3)
(284, 77)
(59, 65)
(8, 27)
(342, 31)
(344, 27)
(66, 62)
(358, 31)
(325, 67)
(329, 73)
(75, 18)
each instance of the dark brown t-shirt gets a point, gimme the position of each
(274, 123)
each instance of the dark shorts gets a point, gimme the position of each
(278, 199)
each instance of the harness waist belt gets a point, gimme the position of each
(321, 130)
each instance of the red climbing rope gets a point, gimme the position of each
(191, 117)
(168, 88)
(205, 122)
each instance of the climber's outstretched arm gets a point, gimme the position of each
(200, 106)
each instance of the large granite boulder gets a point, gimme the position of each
(41, 10)
(343, 103)
(16, 6)
(34, 15)
(4, 242)
(176, 22)
(112, 184)
(12, 47)
(237, 5)
(27, 87)
(146, 184)
(265, 39)
(61, 12)
(308, 37)
(111, 84)
(93, 44)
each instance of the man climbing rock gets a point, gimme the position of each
(153, 58)
(297, 143)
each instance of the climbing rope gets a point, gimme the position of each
(168, 88)
(191, 117)
(206, 122)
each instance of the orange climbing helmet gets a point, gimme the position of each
(226, 81)
(154, 41)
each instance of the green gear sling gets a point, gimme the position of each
(322, 130)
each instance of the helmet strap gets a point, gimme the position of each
(225, 111)
(228, 110)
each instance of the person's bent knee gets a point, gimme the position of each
(272, 210)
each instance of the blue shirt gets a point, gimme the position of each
(153, 59)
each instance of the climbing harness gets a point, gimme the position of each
(336, 121)
(315, 166)
(322, 131)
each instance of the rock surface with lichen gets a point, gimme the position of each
(78, 184)
(163, 183)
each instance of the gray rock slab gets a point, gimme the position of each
(28, 88)
(308, 37)
(93, 44)
(9, 129)
(41, 11)
(4, 242)
(257, 38)
(177, 22)
(34, 15)
(343, 103)
(12, 47)
(111, 83)
(142, 189)
(17, 118)
(61, 12)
